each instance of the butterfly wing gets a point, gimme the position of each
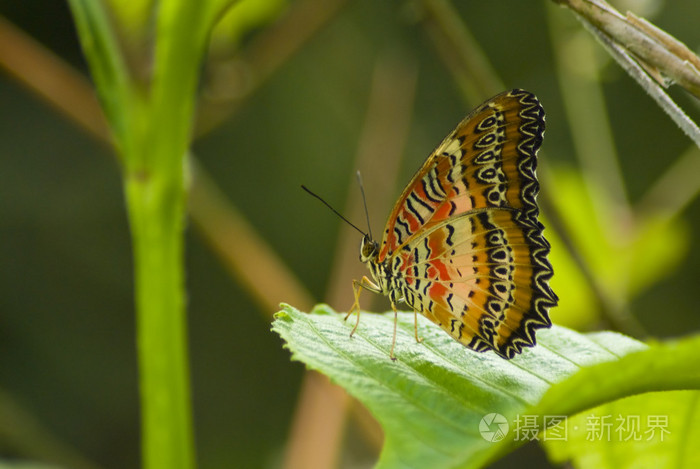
(487, 161)
(481, 276)
(465, 231)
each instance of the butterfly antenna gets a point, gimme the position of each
(333, 210)
(364, 202)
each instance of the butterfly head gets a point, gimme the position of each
(369, 249)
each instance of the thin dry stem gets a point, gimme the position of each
(647, 43)
(380, 150)
(317, 427)
(251, 261)
(461, 52)
(586, 111)
(266, 277)
(675, 189)
(594, 143)
(49, 77)
(22, 434)
(648, 83)
(232, 80)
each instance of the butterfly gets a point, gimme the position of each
(463, 245)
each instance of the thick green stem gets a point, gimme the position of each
(156, 213)
(151, 127)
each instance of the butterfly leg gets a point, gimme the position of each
(357, 289)
(393, 341)
(415, 326)
(396, 320)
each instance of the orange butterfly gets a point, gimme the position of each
(463, 245)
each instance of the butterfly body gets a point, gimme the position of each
(463, 245)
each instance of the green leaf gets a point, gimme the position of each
(626, 256)
(243, 17)
(662, 367)
(107, 66)
(432, 399)
(660, 245)
(647, 430)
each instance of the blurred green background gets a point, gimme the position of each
(67, 347)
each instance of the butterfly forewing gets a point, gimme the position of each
(463, 242)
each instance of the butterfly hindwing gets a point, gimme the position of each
(482, 277)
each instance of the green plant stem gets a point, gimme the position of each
(151, 128)
(156, 213)
(155, 190)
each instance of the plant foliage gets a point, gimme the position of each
(432, 399)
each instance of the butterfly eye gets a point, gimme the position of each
(368, 249)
